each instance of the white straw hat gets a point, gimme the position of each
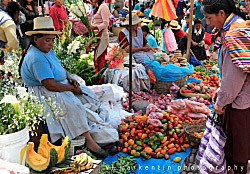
(135, 19)
(43, 25)
(174, 25)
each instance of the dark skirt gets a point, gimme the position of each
(236, 124)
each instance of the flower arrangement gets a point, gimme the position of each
(79, 10)
(9, 67)
(115, 56)
(19, 109)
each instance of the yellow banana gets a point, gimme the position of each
(90, 163)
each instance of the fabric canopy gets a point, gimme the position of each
(164, 9)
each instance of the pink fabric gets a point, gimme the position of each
(101, 18)
(169, 40)
(58, 14)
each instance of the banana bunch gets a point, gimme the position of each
(81, 162)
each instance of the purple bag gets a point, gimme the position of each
(211, 157)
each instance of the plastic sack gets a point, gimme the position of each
(169, 72)
(154, 122)
(191, 79)
(155, 115)
(152, 108)
(194, 62)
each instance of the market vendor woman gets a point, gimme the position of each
(140, 49)
(42, 72)
(100, 25)
(233, 98)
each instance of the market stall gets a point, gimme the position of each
(156, 137)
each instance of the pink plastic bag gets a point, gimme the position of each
(154, 122)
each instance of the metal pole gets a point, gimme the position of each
(130, 54)
(190, 30)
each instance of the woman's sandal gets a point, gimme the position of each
(100, 153)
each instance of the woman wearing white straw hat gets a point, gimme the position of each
(140, 49)
(176, 28)
(42, 72)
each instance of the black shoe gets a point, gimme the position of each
(100, 153)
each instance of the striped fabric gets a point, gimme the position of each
(237, 42)
(211, 157)
(164, 9)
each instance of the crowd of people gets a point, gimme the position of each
(42, 72)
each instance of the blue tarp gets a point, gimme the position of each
(155, 166)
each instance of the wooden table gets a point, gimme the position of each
(95, 170)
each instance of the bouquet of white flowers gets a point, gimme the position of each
(79, 10)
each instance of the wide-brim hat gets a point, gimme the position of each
(43, 25)
(135, 19)
(174, 25)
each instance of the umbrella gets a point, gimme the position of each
(164, 9)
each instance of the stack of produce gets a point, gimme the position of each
(199, 89)
(192, 109)
(153, 134)
(209, 64)
(178, 59)
(212, 80)
(123, 165)
(161, 101)
(199, 134)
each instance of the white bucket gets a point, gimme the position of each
(13, 146)
(78, 141)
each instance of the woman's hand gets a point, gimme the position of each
(146, 49)
(195, 43)
(73, 82)
(218, 109)
(76, 90)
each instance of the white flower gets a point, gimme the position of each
(75, 10)
(9, 99)
(73, 46)
(13, 100)
(22, 92)
(82, 7)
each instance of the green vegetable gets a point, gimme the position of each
(154, 146)
(138, 143)
(138, 148)
(146, 140)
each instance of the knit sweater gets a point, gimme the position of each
(235, 83)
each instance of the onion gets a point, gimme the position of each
(201, 100)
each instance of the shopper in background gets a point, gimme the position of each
(137, 5)
(8, 35)
(233, 99)
(30, 11)
(140, 48)
(100, 25)
(3, 4)
(59, 15)
(150, 38)
(185, 23)
(198, 13)
(176, 28)
(115, 12)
